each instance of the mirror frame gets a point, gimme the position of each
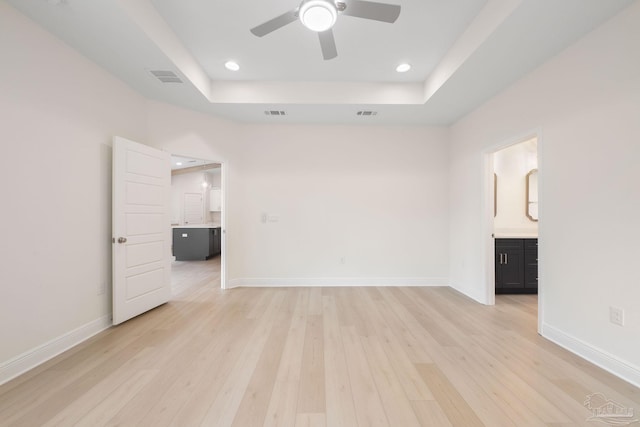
(528, 201)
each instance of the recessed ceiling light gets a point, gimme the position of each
(403, 68)
(179, 164)
(318, 15)
(231, 65)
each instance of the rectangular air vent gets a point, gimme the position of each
(367, 113)
(166, 76)
(275, 113)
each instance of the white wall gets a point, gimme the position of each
(511, 166)
(375, 196)
(586, 105)
(59, 112)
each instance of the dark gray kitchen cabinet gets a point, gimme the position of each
(516, 265)
(195, 243)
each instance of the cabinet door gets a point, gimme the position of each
(531, 264)
(509, 258)
(512, 268)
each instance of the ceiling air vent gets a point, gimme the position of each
(367, 113)
(275, 113)
(166, 76)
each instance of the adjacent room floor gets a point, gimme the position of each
(315, 357)
(188, 274)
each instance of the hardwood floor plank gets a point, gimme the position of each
(452, 403)
(224, 407)
(100, 414)
(72, 413)
(367, 402)
(506, 390)
(337, 357)
(311, 420)
(311, 395)
(284, 398)
(340, 410)
(390, 332)
(395, 402)
(405, 327)
(518, 364)
(255, 401)
(430, 414)
(176, 386)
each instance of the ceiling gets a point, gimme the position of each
(462, 53)
(181, 162)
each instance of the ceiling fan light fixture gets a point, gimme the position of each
(318, 15)
(231, 65)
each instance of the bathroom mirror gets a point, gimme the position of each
(532, 195)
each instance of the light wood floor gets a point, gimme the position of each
(316, 357)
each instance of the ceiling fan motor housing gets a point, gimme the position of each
(318, 15)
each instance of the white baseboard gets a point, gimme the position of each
(479, 297)
(336, 281)
(598, 357)
(47, 351)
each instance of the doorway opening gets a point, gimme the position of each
(198, 223)
(511, 222)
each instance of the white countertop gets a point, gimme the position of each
(196, 226)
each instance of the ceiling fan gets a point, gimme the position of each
(321, 15)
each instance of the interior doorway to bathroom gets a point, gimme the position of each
(512, 222)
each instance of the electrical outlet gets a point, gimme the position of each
(616, 316)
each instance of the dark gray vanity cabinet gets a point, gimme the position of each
(531, 264)
(195, 243)
(516, 265)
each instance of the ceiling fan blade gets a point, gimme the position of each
(370, 10)
(275, 23)
(328, 44)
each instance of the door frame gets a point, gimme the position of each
(223, 214)
(487, 249)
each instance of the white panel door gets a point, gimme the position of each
(193, 208)
(141, 229)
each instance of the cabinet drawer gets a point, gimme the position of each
(509, 243)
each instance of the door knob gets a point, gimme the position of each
(122, 239)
